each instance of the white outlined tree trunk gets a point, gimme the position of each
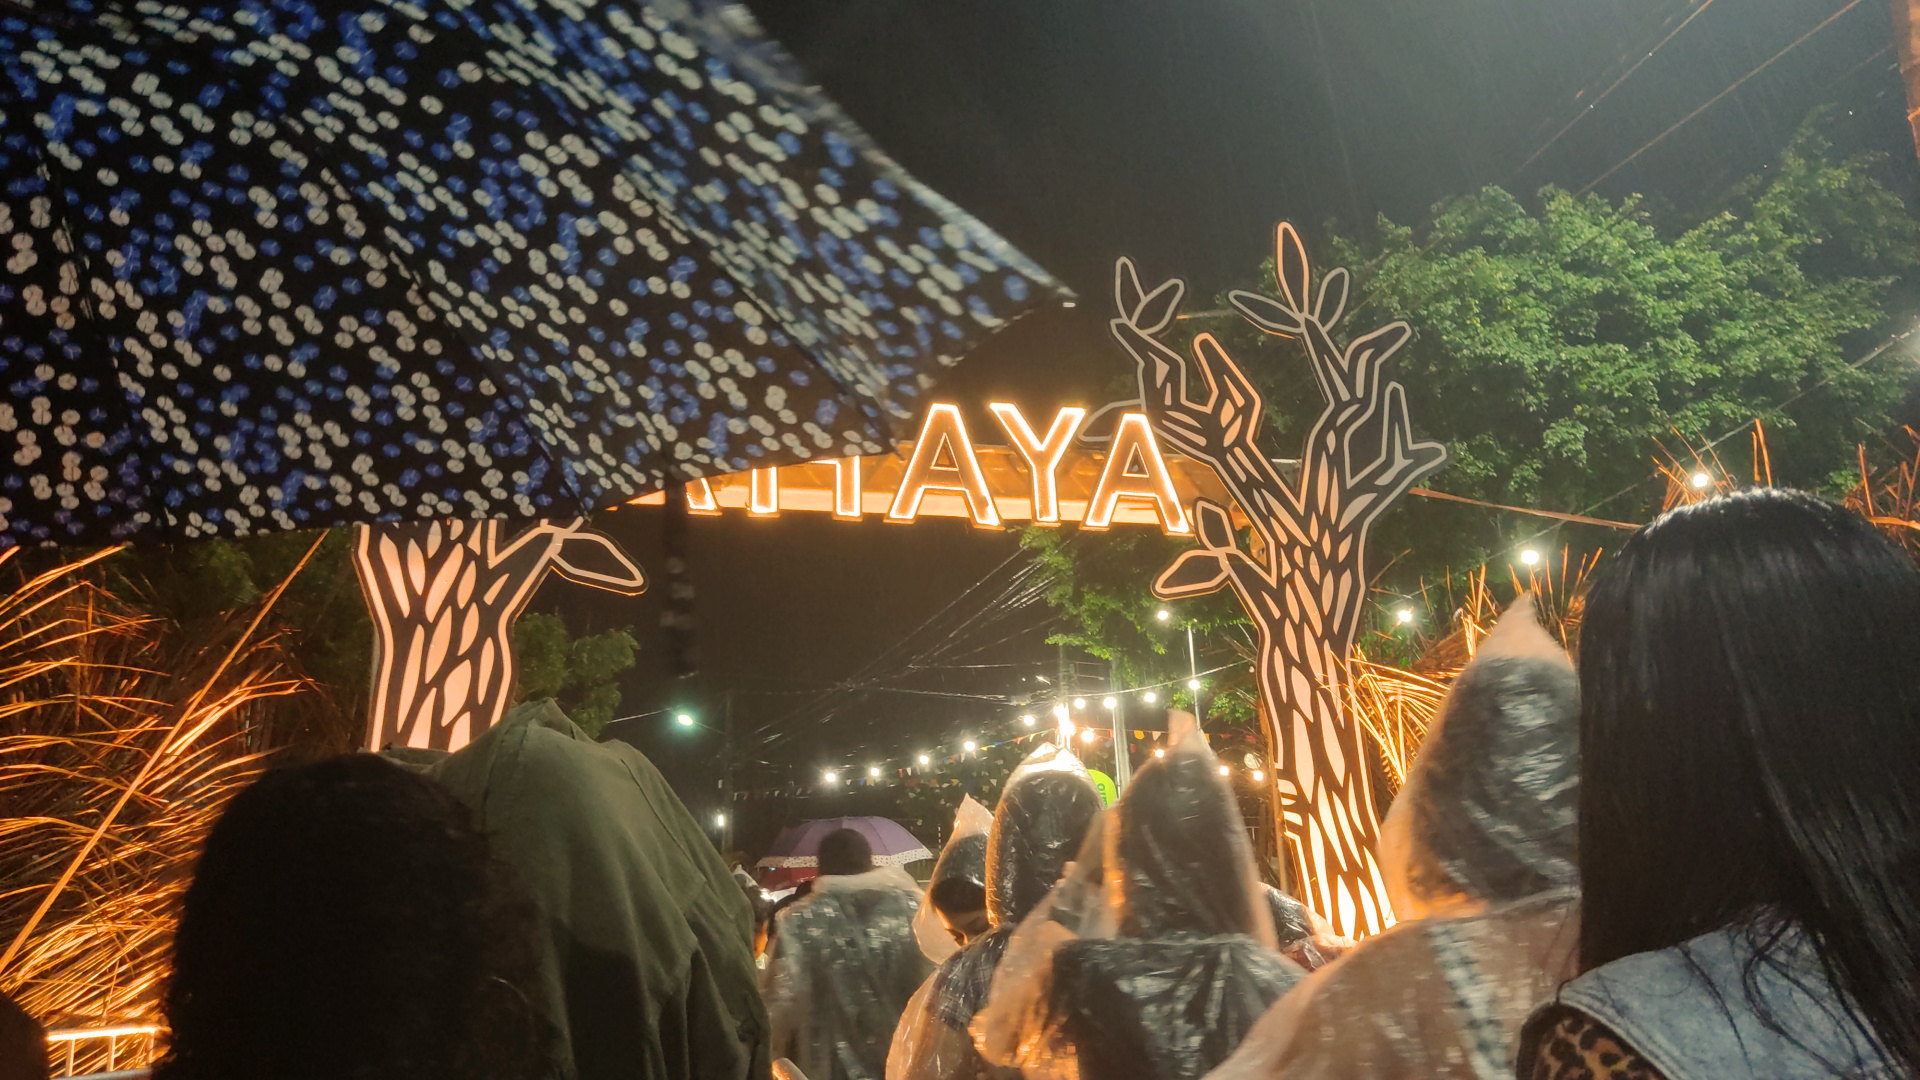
(444, 596)
(1304, 581)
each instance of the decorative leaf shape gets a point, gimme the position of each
(1193, 573)
(1213, 526)
(1271, 315)
(1333, 298)
(1291, 269)
(591, 558)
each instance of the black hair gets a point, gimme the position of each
(957, 896)
(345, 919)
(1750, 745)
(845, 851)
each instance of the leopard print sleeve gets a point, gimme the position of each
(1578, 1047)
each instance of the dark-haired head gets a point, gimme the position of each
(345, 920)
(1750, 743)
(845, 852)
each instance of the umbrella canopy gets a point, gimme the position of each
(273, 264)
(799, 845)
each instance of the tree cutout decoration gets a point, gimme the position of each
(444, 596)
(1304, 578)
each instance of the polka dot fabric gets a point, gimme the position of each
(276, 265)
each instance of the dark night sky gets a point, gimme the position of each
(1180, 131)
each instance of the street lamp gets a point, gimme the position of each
(1163, 614)
(719, 821)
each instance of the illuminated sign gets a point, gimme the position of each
(1067, 474)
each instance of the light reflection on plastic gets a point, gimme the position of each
(946, 431)
(1134, 438)
(1043, 456)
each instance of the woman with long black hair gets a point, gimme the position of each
(1749, 804)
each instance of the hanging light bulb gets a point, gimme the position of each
(1193, 684)
(1159, 752)
(831, 777)
(1027, 719)
(1259, 776)
(874, 772)
(1088, 735)
(1163, 614)
(925, 760)
(1079, 703)
(968, 746)
(1150, 697)
(1404, 616)
(1530, 557)
(1701, 480)
(1109, 703)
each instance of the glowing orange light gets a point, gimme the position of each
(1132, 440)
(944, 433)
(700, 498)
(846, 488)
(1043, 456)
(763, 492)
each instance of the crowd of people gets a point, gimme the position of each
(1693, 854)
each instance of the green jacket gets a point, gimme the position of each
(647, 958)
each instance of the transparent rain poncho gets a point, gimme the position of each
(845, 962)
(1478, 853)
(963, 858)
(1156, 953)
(1044, 812)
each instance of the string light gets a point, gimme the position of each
(1088, 735)
(1530, 557)
(1060, 713)
(1110, 703)
(1159, 753)
(1027, 719)
(1163, 614)
(1259, 776)
(1404, 616)
(874, 772)
(1193, 684)
(831, 777)
(1701, 480)
(1150, 697)
(925, 760)
(1225, 771)
(1079, 703)
(968, 746)
(683, 720)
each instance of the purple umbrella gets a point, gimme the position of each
(799, 845)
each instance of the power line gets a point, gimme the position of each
(1711, 102)
(1595, 103)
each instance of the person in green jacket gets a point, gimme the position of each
(647, 963)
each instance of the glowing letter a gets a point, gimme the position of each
(944, 431)
(1132, 437)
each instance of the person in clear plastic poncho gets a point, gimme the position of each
(845, 962)
(1479, 856)
(955, 909)
(1156, 952)
(1044, 812)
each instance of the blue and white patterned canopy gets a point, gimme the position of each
(278, 264)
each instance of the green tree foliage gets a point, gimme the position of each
(1557, 347)
(1559, 344)
(580, 673)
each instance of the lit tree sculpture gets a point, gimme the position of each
(444, 595)
(1303, 578)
